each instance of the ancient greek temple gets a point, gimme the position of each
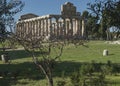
(69, 23)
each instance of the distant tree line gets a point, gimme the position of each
(103, 20)
(8, 8)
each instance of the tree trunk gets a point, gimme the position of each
(48, 73)
(50, 81)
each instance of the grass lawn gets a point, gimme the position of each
(93, 51)
(71, 59)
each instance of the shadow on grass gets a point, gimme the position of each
(16, 54)
(12, 73)
(66, 67)
(19, 54)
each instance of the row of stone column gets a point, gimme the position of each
(50, 26)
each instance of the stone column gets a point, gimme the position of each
(71, 27)
(27, 27)
(64, 27)
(34, 28)
(74, 30)
(83, 28)
(23, 28)
(60, 28)
(53, 28)
(36, 31)
(39, 27)
(42, 27)
(20, 31)
(67, 27)
(30, 27)
(78, 27)
(57, 27)
(50, 26)
(47, 26)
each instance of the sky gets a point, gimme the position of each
(44, 7)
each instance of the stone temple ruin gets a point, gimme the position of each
(69, 23)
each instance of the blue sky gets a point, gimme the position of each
(44, 7)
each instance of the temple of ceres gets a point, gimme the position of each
(69, 23)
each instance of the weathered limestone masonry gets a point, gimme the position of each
(68, 24)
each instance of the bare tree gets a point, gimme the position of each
(45, 50)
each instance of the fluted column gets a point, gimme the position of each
(27, 28)
(74, 30)
(71, 27)
(42, 27)
(39, 27)
(53, 28)
(50, 26)
(60, 28)
(83, 28)
(36, 34)
(30, 27)
(23, 29)
(47, 27)
(78, 26)
(64, 27)
(40, 32)
(36, 28)
(57, 27)
(67, 27)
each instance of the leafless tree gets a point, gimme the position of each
(45, 50)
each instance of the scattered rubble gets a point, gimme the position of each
(113, 42)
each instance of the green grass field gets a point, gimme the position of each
(71, 59)
(93, 51)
